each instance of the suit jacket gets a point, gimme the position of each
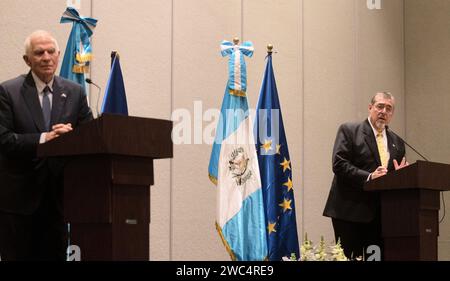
(23, 176)
(355, 156)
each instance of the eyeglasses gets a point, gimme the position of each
(381, 106)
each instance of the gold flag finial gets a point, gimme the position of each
(269, 48)
(235, 40)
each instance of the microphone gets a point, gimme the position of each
(423, 157)
(442, 192)
(89, 81)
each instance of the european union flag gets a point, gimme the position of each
(276, 173)
(115, 100)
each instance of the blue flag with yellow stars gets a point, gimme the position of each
(276, 172)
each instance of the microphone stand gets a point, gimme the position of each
(423, 157)
(89, 81)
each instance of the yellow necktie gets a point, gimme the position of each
(382, 150)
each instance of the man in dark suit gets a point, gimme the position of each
(35, 108)
(362, 152)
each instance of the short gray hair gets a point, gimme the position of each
(37, 33)
(386, 95)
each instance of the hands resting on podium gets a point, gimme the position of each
(381, 171)
(57, 130)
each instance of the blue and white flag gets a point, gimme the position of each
(237, 70)
(78, 52)
(234, 168)
(276, 172)
(115, 98)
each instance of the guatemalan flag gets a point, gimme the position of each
(233, 167)
(276, 172)
(78, 54)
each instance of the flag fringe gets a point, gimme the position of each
(238, 93)
(82, 58)
(80, 69)
(213, 179)
(225, 243)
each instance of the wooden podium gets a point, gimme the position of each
(410, 200)
(107, 182)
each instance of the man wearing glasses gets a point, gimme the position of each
(362, 152)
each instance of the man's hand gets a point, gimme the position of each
(380, 171)
(402, 164)
(57, 130)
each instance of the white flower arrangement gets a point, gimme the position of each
(320, 252)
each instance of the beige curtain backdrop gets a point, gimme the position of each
(331, 57)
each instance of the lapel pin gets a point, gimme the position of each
(63, 95)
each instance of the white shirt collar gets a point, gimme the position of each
(40, 85)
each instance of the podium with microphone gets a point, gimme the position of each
(410, 203)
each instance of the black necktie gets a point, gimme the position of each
(46, 108)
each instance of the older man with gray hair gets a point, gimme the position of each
(35, 108)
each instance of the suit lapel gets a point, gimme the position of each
(58, 102)
(30, 95)
(371, 142)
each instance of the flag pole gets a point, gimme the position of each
(269, 49)
(235, 40)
